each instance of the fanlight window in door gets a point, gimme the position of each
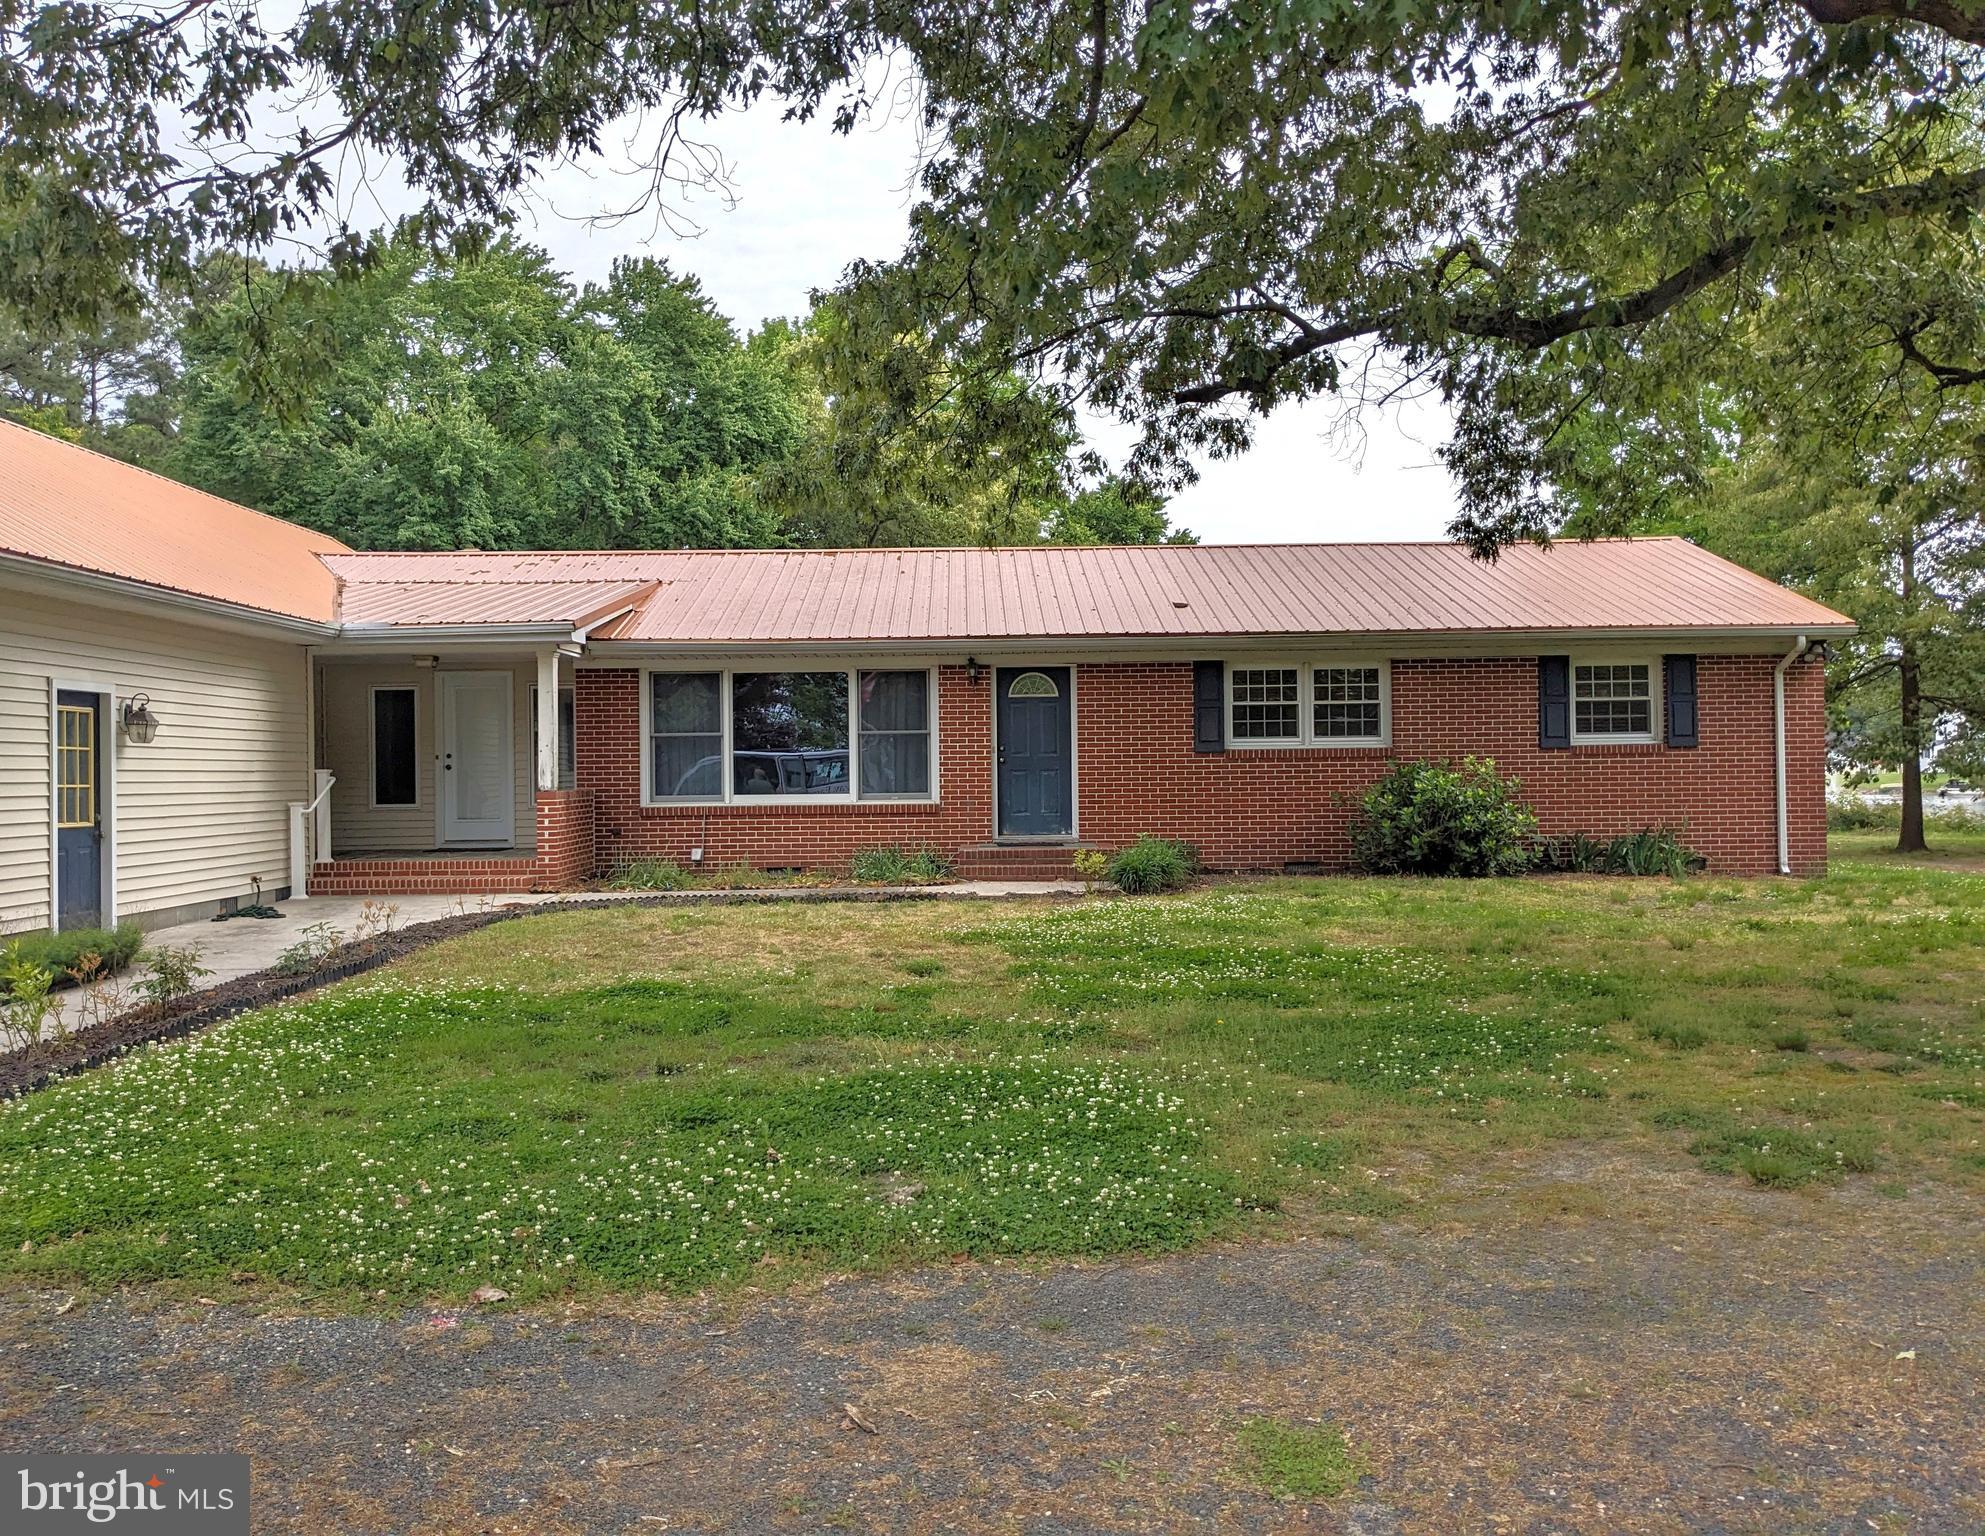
(1032, 685)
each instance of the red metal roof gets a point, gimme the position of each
(67, 505)
(392, 604)
(781, 597)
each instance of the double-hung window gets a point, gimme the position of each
(1309, 704)
(746, 737)
(1612, 701)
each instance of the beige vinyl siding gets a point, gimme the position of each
(200, 811)
(344, 708)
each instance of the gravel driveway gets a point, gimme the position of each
(1591, 1347)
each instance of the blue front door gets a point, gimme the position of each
(1036, 770)
(78, 811)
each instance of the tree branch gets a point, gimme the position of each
(1947, 375)
(1965, 23)
(1537, 331)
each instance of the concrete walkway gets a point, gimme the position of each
(246, 944)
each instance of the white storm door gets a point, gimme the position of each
(478, 768)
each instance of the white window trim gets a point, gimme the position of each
(1656, 704)
(1306, 738)
(729, 796)
(372, 799)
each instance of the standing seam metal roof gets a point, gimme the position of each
(908, 595)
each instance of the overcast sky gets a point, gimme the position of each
(808, 202)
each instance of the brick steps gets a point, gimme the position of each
(1018, 861)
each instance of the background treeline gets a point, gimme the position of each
(439, 403)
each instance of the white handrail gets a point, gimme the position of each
(299, 849)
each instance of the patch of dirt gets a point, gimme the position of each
(1706, 1356)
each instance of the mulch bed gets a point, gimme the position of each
(26, 1070)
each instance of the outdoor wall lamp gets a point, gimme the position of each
(140, 724)
(972, 670)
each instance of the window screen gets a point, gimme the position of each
(1346, 703)
(687, 722)
(1613, 699)
(1266, 704)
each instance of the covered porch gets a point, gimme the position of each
(447, 771)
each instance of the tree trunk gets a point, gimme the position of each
(1910, 674)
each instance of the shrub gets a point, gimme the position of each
(171, 971)
(1852, 814)
(1152, 864)
(892, 866)
(58, 953)
(1428, 818)
(312, 947)
(28, 1009)
(650, 875)
(1090, 864)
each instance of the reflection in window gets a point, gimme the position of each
(789, 733)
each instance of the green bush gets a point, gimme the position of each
(1853, 814)
(1857, 815)
(1152, 864)
(1429, 818)
(893, 866)
(1650, 851)
(649, 875)
(59, 953)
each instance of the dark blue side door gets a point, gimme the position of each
(1036, 771)
(78, 811)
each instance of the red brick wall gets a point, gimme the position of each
(565, 853)
(563, 857)
(1257, 809)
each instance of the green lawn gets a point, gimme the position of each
(674, 1098)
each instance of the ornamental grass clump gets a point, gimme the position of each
(1443, 818)
(1152, 864)
(896, 866)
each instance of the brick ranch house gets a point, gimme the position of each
(195, 698)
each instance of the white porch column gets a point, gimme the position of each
(548, 718)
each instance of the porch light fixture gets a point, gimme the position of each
(972, 670)
(140, 724)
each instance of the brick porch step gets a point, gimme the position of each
(1019, 861)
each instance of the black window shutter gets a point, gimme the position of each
(1678, 687)
(1553, 702)
(1209, 706)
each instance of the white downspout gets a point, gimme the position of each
(1778, 728)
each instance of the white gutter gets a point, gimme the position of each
(1778, 728)
(143, 592)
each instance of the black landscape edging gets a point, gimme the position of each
(23, 1071)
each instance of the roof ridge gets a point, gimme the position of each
(991, 549)
(185, 485)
